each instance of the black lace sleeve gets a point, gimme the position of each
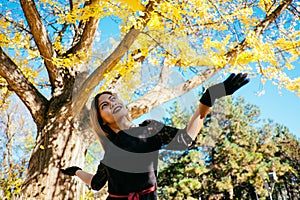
(100, 178)
(164, 136)
(173, 138)
(151, 136)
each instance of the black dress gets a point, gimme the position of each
(131, 158)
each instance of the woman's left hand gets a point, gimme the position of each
(71, 171)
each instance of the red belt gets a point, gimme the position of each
(134, 195)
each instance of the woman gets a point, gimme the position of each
(131, 152)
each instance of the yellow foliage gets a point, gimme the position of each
(206, 43)
(30, 74)
(155, 22)
(4, 24)
(202, 61)
(33, 53)
(246, 57)
(265, 5)
(207, 29)
(57, 45)
(294, 85)
(289, 46)
(18, 37)
(72, 60)
(79, 13)
(218, 60)
(129, 72)
(48, 2)
(136, 5)
(261, 51)
(3, 39)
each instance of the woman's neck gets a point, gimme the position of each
(121, 124)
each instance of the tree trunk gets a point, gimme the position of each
(59, 144)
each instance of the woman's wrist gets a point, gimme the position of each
(77, 172)
(204, 110)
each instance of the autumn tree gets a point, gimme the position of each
(50, 59)
(16, 142)
(234, 157)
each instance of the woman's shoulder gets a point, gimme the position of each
(150, 122)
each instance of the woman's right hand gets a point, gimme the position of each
(227, 87)
(71, 171)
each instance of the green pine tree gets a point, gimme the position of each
(234, 157)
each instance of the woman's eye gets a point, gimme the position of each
(104, 105)
(113, 98)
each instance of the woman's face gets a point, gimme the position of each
(111, 109)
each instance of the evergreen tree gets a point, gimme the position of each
(236, 156)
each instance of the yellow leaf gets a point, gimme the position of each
(135, 5)
(42, 147)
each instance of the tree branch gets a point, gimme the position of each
(164, 73)
(87, 37)
(162, 93)
(31, 97)
(83, 40)
(259, 29)
(16, 24)
(271, 18)
(41, 38)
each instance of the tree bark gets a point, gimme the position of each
(162, 93)
(41, 39)
(30, 96)
(59, 144)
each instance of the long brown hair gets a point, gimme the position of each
(102, 131)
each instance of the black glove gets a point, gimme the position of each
(228, 87)
(70, 170)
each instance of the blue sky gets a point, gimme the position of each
(275, 103)
(278, 104)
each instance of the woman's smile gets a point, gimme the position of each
(117, 109)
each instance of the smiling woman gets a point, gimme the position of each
(112, 112)
(130, 161)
